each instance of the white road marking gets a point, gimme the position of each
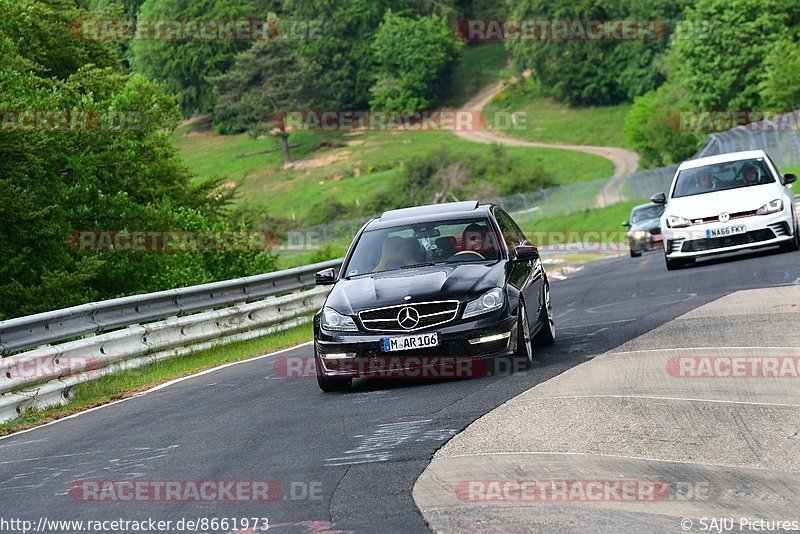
(380, 444)
(621, 456)
(698, 348)
(657, 397)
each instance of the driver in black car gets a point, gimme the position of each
(473, 237)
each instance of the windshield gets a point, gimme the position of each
(398, 247)
(729, 175)
(643, 213)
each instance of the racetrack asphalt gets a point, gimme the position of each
(345, 461)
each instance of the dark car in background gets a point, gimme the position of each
(644, 228)
(456, 280)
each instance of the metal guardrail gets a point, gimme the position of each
(34, 330)
(132, 331)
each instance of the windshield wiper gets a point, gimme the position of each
(424, 264)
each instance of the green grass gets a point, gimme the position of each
(551, 122)
(127, 383)
(209, 155)
(351, 174)
(607, 220)
(480, 66)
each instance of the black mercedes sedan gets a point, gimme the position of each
(439, 287)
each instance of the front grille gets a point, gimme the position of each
(755, 236)
(737, 215)
(674, 245)
(430, 314)
(780, 228)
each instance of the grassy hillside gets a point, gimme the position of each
(350, 174)
(352, 167)
(549, 121)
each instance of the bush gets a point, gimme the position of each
(781, 86)
(415, 58)
(724, 68)
(652, 128)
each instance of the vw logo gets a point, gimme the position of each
(408, 318)
(724, 217)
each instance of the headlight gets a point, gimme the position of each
(676, 221)
(489, 301)
(333, 320)
(639, 234)
(771, 207)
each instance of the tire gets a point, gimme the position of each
(673, 265)
(546, 335)
(524, 354)
(329, 385)
(635, 254)
(794, 244)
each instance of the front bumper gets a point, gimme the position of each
(762, 231)
(648, 242)
(358, 355)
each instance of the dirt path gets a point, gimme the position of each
(625, 161)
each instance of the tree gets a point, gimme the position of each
(415, 58)
(723, 68)
(652, 128)
(184, 66)
(781, 86)
(343, 48)
(595, 72)
(110, 166)
(265, 83)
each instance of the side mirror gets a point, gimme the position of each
(789, 178)
(526, 252)
(626, 224)
(659, 198)
(325, 277)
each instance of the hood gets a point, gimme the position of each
(731, 201)
(647, 224)
(458, 281)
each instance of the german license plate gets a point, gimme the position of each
(726, 231)
(420, 341)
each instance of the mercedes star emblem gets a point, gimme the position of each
(408, 318)
(724, 217)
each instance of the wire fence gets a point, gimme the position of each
(783, 146)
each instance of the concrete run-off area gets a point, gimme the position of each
(693, 422)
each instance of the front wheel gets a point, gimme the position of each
(524, 354)
(673, 265)
(547, 334)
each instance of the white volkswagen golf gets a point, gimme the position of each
(726, 203)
